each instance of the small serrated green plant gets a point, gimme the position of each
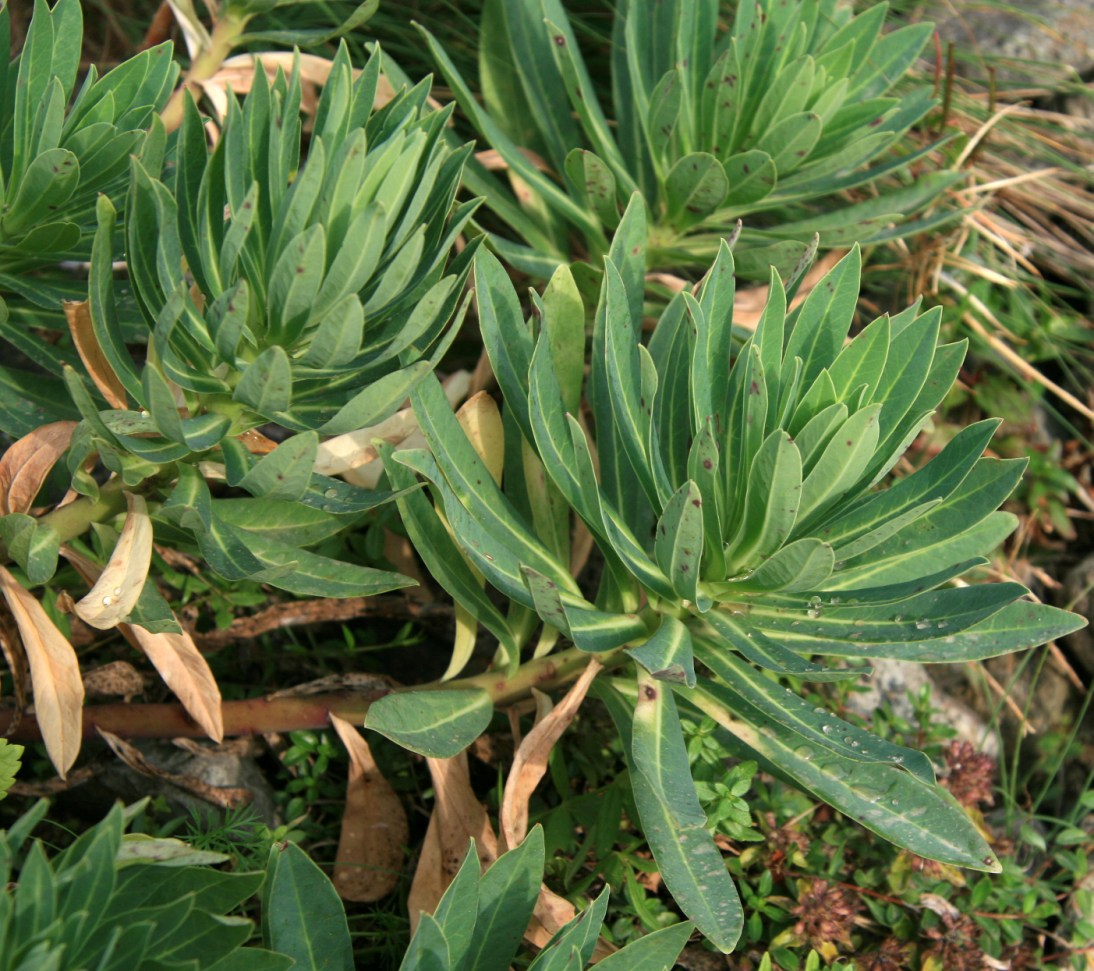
(734, 499)
(769, 122)
(10, 756)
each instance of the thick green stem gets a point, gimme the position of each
(226, 34)
(74, 519)
(542, 673)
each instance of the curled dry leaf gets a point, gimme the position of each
(226, 797)
(119, 586)
(91, 353)
(374, 826)
(530, 760)
(25, 465)
(54, 674)
(457, 815)
(175, 656)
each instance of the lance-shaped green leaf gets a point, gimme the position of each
(751, 642)
(822, 322)
(840, 465)
(771, 503)
(302, 915)
(590, 629)
(588, 172)
(309, 574)
(814, 723)
(286, 471)
(573, 945)
(678, 543)
(936, 480)
(631, 402)
(474, 488)
(695, 186)
(33, 544)
(446, 563)
(437, 724)
(505, 335)
(652, 952)
(672, 819)
(1015, 627)
(457, 912)
(667, 653)
(507, 896)
(895, 804)
(266, 385)
(802, 565)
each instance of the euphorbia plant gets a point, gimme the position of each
(748, 546)
(770, 121)
(296, 282)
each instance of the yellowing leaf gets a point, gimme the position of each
(375, 831)
(119, 586)
(87, 344)
(481, 422)
(530, 760)
(25, 465)
(54, 674)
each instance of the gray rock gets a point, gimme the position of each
(1059, 33)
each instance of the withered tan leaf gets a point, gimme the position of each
(186, 672)
(375, 831)
(530, 760)
(54, 674)
(119, 586)
(25, 465)
(481, 422)
(226, 797)
(457, 816)
(91, 353)
(175, 656)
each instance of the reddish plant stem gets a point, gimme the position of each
(251, 717)
(284, 714)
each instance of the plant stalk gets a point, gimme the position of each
(256, 716)
(226, 34)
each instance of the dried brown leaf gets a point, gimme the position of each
(530, 761)
(374, 826)
(25, 465)
(186, 672)
(119, 586)
(457, 816)
(91, 353)
(226, 797)
(175, 656)
(54, 674)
